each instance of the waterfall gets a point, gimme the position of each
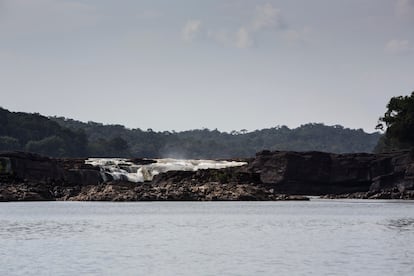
(126, 169)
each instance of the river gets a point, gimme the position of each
(319, 237)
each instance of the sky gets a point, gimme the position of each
(225, 64)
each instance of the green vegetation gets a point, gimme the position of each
(399, 123)
(37, 133)
(205, 143)
(61, 137)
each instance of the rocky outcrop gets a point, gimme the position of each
(269, 176)
(24, 191)
(183, 191)
(319, 173)
(26, 176)
(30, 167)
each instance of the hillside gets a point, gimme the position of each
(62, 137)
(37, 133)
(205, 143)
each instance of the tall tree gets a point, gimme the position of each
(399, 123)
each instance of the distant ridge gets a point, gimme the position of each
(205, 143)
(63, 137)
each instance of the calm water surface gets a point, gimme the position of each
(320, 237)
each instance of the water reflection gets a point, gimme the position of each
(29, 230)
(402, 224)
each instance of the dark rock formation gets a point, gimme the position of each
(141, 161)
(318, 173)
(182, 191)
(269, 176)
(31, 166)
(26, 176)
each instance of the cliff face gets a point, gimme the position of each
(318, 173)
(269, 176)
(27, 176)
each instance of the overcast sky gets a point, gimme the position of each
(226, 64)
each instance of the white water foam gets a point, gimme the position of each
(125, 169)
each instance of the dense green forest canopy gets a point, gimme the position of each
(37, 133)
(399, 123)
(62, 137)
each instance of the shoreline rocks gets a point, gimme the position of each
(167, 192)
(321, 174)
(278, 175)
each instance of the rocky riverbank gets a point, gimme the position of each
(269, 176)
(337, 175)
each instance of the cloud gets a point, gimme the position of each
(297, 35)
(399, 47)
(239, 39)
(266, 16)
(243, 39)
(405, 8)
(264, 19)
(191, 29)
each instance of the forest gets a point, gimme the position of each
(64, 137)
(398, 124)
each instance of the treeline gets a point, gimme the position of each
(62, 137)
(37, 133)
(205, 143)
(398, 121)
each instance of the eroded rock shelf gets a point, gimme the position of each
(278, 175)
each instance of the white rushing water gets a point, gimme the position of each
(125, 169)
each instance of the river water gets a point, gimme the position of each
(320, 237)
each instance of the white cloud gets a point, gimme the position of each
(243, 39)
(191, 29)
(405, 8)
(240, 39)
(297, 35)
(266, 16)
(399, 47)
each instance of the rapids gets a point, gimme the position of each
(125, 169)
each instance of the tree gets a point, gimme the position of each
(399, 122)
(118, 144)
(51, 146)
(9, 143)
